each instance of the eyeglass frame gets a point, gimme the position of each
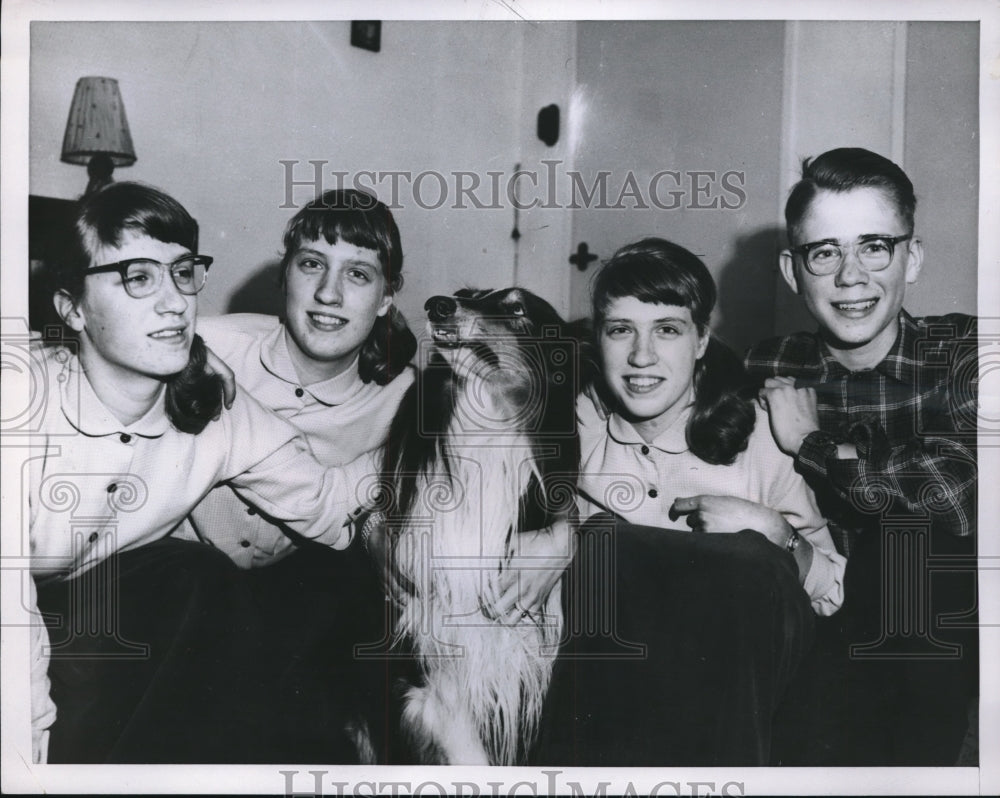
(122, 268)
(803, 251)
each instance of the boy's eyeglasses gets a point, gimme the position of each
(142, 277)
(874, 252)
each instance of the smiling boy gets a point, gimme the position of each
(878, 408)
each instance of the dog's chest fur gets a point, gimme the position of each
(462, 526)
(453, 550)
(479, 452)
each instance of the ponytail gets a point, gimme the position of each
(723, 416)
(194, 395)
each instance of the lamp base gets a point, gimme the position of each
(99, 169)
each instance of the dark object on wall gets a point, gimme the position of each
(582, 257)
(49, 223)
(97, 131)
(548, 124)
(367, 35)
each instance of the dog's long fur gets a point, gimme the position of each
(484, 446)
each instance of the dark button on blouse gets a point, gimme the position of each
(299, 393)
(653, 493)
(112, 487)
(644, 449)
(125, 437)
(245, 544)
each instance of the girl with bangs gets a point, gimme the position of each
(336, 366)
(690, 593)
(151, 649)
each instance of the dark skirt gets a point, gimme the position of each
(170, 654)
(678, 648)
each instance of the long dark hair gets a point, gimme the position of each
(193, 395)
(655, 270)
(360, 219)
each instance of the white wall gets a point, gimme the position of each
(941, 156)
(910, 92)
(214, 107)
(547, 67)
(696, 99)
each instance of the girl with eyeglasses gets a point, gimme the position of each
(141, 658)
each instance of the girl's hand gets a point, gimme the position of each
(715, 514)
(536, 568)
(375, 539)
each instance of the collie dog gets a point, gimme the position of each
(483, 447)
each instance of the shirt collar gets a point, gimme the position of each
(275, 358)
(672, 440)
(898, 364)
(901, 361)
(87, 413)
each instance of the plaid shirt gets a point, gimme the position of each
(912, 419)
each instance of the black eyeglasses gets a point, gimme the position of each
(142, 277)
(874, 252)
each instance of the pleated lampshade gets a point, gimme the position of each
(97, 124)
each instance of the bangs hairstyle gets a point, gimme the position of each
(658, 271)
(103, 218)
(354, 217)
(194, 395)
(359, 219)
(845, 169)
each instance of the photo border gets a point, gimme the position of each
(20, 776)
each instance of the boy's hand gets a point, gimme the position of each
(216, 365)
(594, 394)
(792, 412)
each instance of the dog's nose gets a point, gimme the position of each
(440, 308)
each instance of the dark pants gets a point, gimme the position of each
(679, 647)
(154, 659)
(200, 662)
(880, 688)
(314, 608)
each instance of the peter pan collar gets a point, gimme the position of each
(672, 440)
(337, 390)
(87, 413)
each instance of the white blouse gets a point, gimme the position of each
(342, 418)
(639, 481)
(97, 486)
